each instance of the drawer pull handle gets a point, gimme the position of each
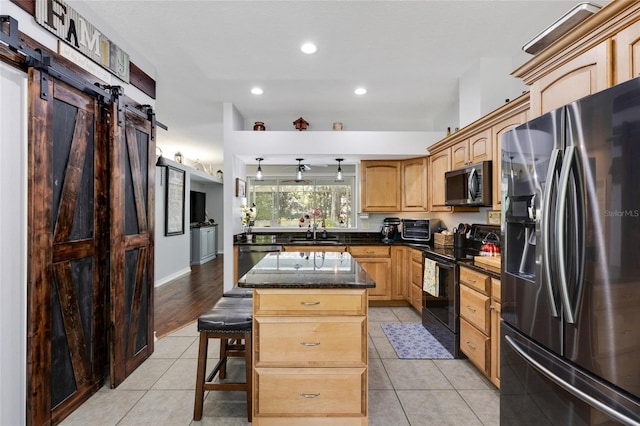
(471, 280)
(309, 303)
(309, 343)
(309, 395)
(470, 345)
(471, 308)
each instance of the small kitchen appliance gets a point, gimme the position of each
(390, 229)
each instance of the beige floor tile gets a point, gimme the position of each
(105, 408)
(384, 348)
(146, 374)
(172, 347)
(385, 409)
(485, 404)
(192, 350)
(221, 421)
(181, 375)
(415, 374)
(373, 352)
(382, 314)
(406, 314)
(375, 330)
(189, 330)
(436, 407)
(161, 408)
(378, 378)
(462, 374)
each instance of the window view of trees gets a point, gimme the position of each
(320, 202)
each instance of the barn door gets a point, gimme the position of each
(132, 178)
(67, 238)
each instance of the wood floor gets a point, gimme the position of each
(181, 301)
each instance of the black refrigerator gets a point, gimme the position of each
(570, 335)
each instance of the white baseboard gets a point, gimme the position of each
(173, 276)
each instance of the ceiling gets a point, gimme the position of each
(408, 54)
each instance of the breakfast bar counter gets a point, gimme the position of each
(310, 354)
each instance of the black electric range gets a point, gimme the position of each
(441, 305)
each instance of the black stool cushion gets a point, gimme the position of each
(239, 292)
(228, 315)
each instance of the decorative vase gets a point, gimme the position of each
(337, 125)
(259, 126)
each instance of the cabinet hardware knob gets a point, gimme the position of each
(309, 343)
(471, 280)
(471, 308)
(309, 395)
(492, 308)
(309, 303)
(470, 345)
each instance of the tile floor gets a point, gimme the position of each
(401, 392)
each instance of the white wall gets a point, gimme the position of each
(13, 245)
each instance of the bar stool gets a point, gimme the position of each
(230, 320)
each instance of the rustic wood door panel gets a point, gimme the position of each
(67, 247)
(132, 177)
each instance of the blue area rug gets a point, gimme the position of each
(413, 341)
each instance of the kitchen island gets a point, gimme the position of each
(310, 353)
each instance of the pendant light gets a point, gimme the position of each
(259, 171)
(339, 177)
(299, 176)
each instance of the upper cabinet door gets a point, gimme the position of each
(581, 76)
(627, 58)
(480, 147)
(414, 185)
(380, 186)
(439, 164)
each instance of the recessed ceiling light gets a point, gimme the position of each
(360, 91)
(309, 48)
(257, 91)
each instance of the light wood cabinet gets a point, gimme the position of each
(627, 53)
(480, 321)
(376, 261)
(380, 182)
(310, 357)
(399, 281)
(439, 164)
(415, 285)
(414, 185)
(473, 150)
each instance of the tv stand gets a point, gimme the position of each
(204, 244)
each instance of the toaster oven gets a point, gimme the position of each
(419, 230)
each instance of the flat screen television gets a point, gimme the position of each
(198, 206)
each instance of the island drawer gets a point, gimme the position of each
(310, 342)
(315, 302)
(310, 392)
(474, 307)
(370, 251)
(477, 280)
(475, 345)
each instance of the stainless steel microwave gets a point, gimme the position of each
(469, 185)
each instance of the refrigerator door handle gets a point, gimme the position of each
(588, 399)
(546, 229)
(561, 205)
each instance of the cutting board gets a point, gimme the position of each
(493, 261)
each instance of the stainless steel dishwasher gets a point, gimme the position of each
(249, 255)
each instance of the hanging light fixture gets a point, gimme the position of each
(161, 160)
(259, 171)
(299, 176)
(339, 177)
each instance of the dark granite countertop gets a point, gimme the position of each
(307, 270)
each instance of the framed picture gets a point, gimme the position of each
(174, 207)
(494, 217)
(241, 188)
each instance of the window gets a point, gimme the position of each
(315, 201)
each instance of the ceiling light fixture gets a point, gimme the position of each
(161, 160)
(257, 91)
(309, 48)
(300, 169)
(259, 171)
(360, 91)
(339, 177)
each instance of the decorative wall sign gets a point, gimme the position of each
(174, 208)
(241, 188)
(63, 21)
(494, 217)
